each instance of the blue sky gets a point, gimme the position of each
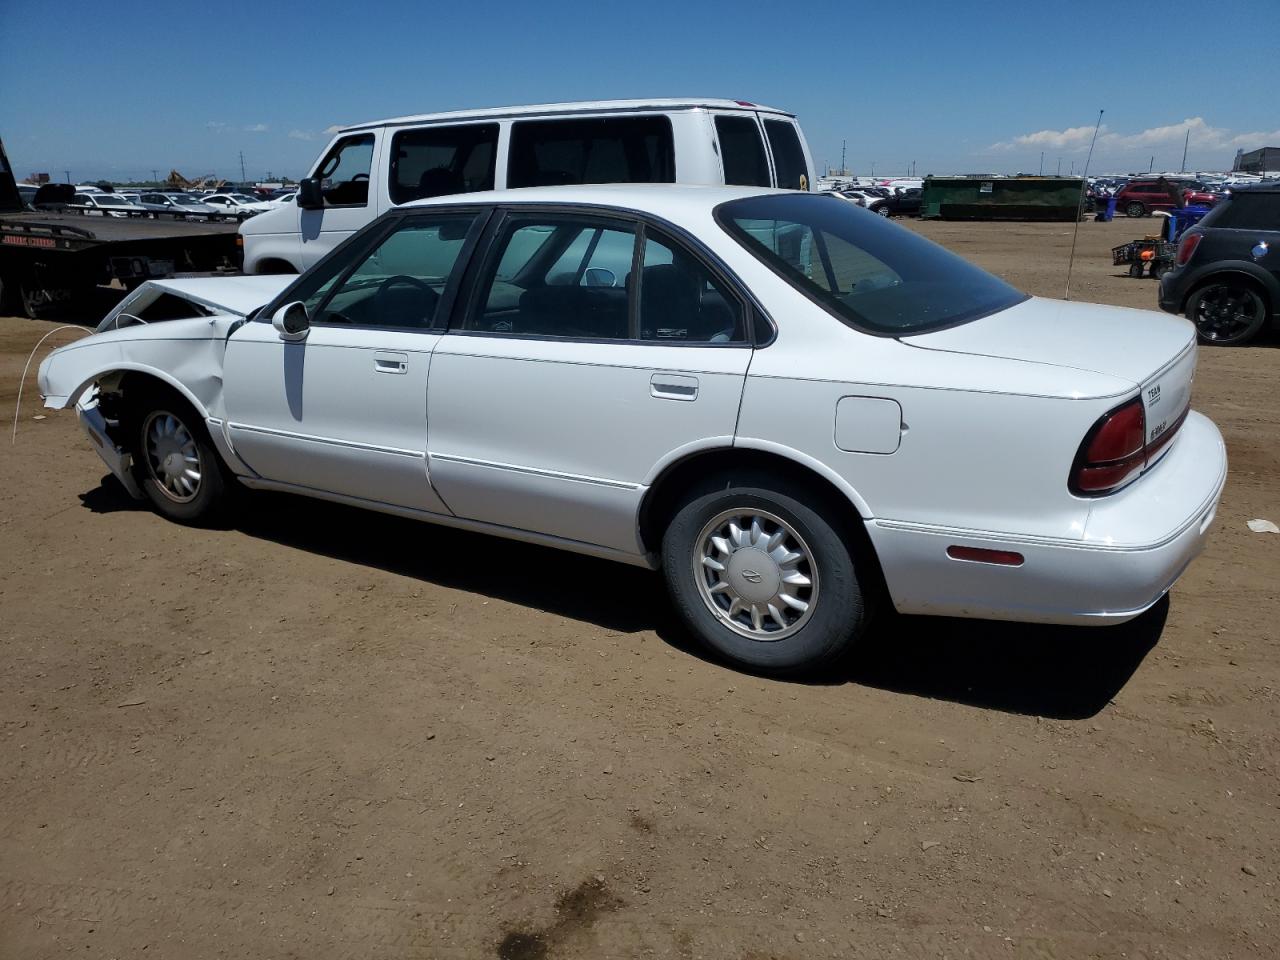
(956, 87)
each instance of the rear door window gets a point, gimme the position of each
(788, 155)
(742, 151)
(436, 161)
(593, 150)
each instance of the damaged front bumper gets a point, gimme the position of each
(118, 460)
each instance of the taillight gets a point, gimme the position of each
(1187, 247)
(1115, 450)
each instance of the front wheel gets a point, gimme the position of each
(174, 460)
(1135, 209)
(1227, 313)
(763, 579)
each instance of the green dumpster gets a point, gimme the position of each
(1001, 198)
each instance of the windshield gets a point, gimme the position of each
(188, 201)
(872, 274)
(113, 201)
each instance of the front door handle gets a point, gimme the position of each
(672, 386)
(391, 362)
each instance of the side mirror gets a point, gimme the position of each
(310, 196)
(291, 321)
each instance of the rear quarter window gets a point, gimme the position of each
(591, 150)
(788, 155)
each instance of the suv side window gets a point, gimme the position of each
(558, 276)
(344, 173)
(399, 283)
(436, 161)
(742, 152)
(593, 150)
(788, 155)
(1249, 211)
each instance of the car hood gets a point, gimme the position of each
(233, 295)
(1115, 341)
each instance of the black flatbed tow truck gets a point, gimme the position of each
(50, 258)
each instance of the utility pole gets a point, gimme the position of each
(1152, 165)
(1185, 143)
(155, 175)
(1042, 163)
(843, 169)
(68, 173)
(1072, 172)
(1059, 166)
(242, 176)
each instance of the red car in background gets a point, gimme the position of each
(1139, 198)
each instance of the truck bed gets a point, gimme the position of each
(105, 229)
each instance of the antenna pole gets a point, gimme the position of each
(1185, 143)
(1084, 184)
(242, 176)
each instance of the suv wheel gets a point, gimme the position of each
(761, 578)
(1227, 312)
(883, 210)
(1134, 209)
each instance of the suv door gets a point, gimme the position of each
(344, 184)
(343, 411)
(593, 351)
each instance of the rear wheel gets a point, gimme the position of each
(1134, 209)
(1227, 312)
(762, 578)
(884, 211)
(174, 460)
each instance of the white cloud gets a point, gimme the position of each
(1072, 138)
(1203, 135)
(301, 135)
(216, 125)
(256, 128)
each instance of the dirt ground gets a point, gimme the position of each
(325, 733)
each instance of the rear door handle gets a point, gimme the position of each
(391, 362)
(671, 386)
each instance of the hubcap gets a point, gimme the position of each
(173, 460)
(756, 574)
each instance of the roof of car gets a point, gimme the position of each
(559, 109)
(661, 198)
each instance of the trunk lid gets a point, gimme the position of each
(1153, 351)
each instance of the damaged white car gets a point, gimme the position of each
(788, 404)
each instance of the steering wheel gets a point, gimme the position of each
(359, 176)
(382, 302)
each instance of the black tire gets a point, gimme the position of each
(170, 497)
(1227, 312)
(1135, 268)
(839, 611)
(1158, 270)
(1134, 209)
(883, 210)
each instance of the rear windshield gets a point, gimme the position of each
(592, 150)
(872, 274)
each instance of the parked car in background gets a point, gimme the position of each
(27, 191)
(714, 382)
(181, 206)
(106, 205)
(1226, 277)
(237, 204)
(903, 202)
(370, 168)
(1141, 197)
(282, 197)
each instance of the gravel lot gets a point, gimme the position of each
(325, 733)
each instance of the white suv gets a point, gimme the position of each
(369, 168)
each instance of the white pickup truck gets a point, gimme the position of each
(369, 168)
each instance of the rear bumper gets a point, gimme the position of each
(1136, 544)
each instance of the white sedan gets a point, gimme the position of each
(237, 204)
(789, 405)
